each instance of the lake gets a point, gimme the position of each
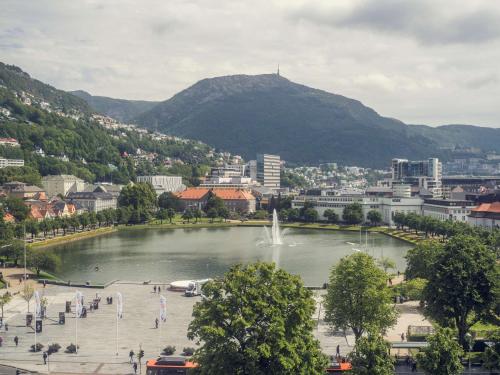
(165, 255)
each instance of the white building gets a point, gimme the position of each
(163, 184)
(269, 170)
(448, 209)
(93, 201)
(387, 206)
(487, 215)
(9, 142)
(62, 184)
(425, 174)
(11, 163)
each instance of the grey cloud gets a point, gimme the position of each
(427, 22)
(481, 81)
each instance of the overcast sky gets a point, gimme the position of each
(422, 61)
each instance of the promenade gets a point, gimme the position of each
(97, 332)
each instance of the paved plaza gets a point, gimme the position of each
(97, 332)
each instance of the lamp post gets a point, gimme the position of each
(469, 339)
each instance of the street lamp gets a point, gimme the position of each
(469, 339)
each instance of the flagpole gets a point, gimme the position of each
(116, 328)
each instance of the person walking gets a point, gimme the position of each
(44, 358)
(338, 351)
(154, 288)
(156, 322)
(16, 340)
(403, 336)
(135, 367)
(131, 356)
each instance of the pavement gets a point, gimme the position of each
(101, 336)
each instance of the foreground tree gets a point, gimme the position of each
(491, 355)
(371, 356)
(460, 291)
(442, 355)
(358, 297)
(256, 320)
(421, 259)
(374, 217)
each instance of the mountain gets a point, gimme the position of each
(15, 79)
(268, 113)
(120, 109)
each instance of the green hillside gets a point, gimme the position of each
(74, 144)
(120, 109)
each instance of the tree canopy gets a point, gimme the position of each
(358, 297)
(353, 214)
(256, 320)
(371, 356)
(442, 355)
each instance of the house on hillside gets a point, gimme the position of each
(21, 190)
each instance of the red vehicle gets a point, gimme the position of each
(338, 367)
(169, 366)
(181, 366)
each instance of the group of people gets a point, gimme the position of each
(157, 288)
(132, 361)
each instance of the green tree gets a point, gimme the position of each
(374, 216)
(17, 208)
(32, 227)
(42, 260)
(358, 297)
(27, 293)
(170, 214)
(197, 215)
(353, 214)
(386, 263)
(311, 215)
(461, 284)
(213, 201)
(187, 215)
(162, 215)
(14, 251)
(421, 259)
(169, 200)
(371, 356)
(224, 213)
(442, 355)
(4, 300)
(139, 196)
(491, 355)
(256, 320)
(331, 215)
(212, 214)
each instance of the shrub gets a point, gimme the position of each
(169, 350)
(71, 348)
(38, 348)
(413, 289)
(53, 348)
(188, 352)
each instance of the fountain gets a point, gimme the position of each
(275, 230)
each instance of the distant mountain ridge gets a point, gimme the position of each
(120, 109)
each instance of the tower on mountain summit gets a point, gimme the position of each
(278, 72)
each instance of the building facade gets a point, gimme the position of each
(163, 184)
(387, 206)
(447, 209)
(4, 163)
(269, 170)
(486, 215)
(93, 201)
(234, 199)
(426, 174)
(62, 184)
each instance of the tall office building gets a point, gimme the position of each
(268, 170)
(426, 174)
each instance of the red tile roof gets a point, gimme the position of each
(224, 194)
(488, 207)
(8, 218)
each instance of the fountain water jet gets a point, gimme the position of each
(275, 230)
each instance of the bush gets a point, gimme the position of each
(53, 348)
(38, 348)
(413, 288)
(188, 352)
(169, 350)
(71, 348)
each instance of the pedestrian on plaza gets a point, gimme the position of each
(131, 355)
(156, 322)
(44, 358)
(338, 351)
(16, 340)
(135, 367)
(403, 336)
(154, 288)
(1, 341)
(6, 327)
(414, 366)
(44, 283)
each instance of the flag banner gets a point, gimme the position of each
(119, 305)
(163, 308)
(38, 305)
(78, 303)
